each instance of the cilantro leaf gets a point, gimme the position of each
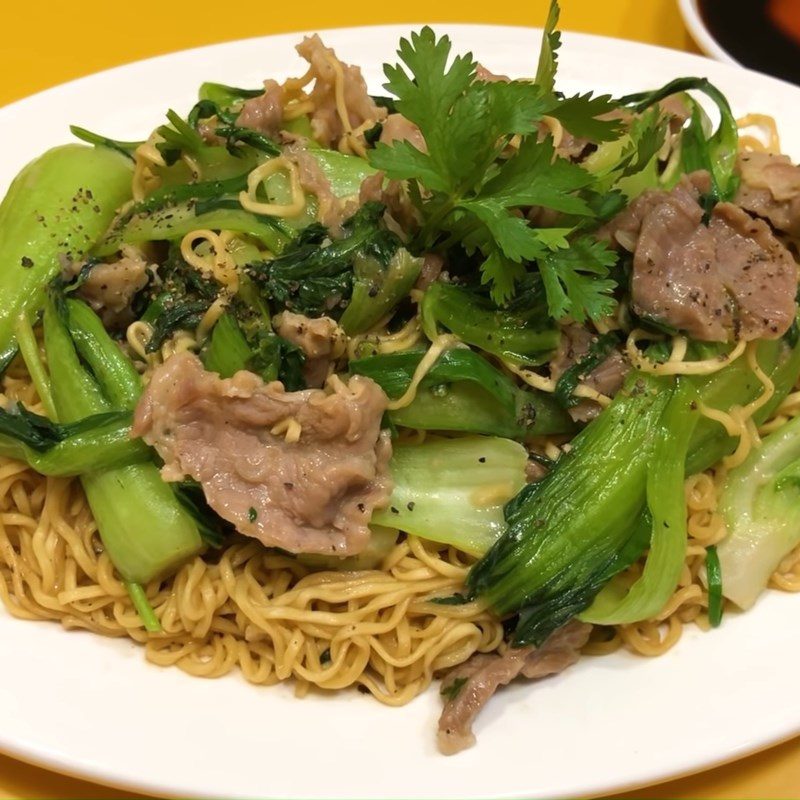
(548, 58)
(402, 161)
(576, 282)
(579, 115)
(535, 178)
(501, 274)
(427, 95)
(516, 106)
(468, 183)
(647, 133)
(513, 235)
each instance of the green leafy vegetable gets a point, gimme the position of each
(450, 690)
(212, 528)
(143, 608)
(520, 336)
(315, 275)
(121, 382)
(475, 201)
(598, 351)
(227, 351)
(378, 288)
(737, 384)
(715, 152)
(57, 207)
(760, 503)
(172, 223)
(579, 115)
(576, 280)
(617, 604)
(566, 529)
(41, 434)
(548, 53)
(549, 567)
(102, 443)
(453, 490)
(344, 173)
(226, 96)
(629, 164)
(144, 530)
(29, 350)
(716, 604)
(456, 115)
(463, 392)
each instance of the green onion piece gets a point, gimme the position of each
(714, 576)
(143, 608)
(97, 139)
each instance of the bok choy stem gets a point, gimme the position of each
(29, 350)
(665, 500)
(565, 530)
(144, 529)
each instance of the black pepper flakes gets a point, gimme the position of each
(26, 262)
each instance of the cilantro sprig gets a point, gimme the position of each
(486, 162)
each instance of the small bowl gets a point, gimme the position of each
(694, 21)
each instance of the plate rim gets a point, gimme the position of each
(52, 762)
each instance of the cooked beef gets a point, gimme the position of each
(757, 270)
(402, 216)
(729, 279)
(110, 288)
(609, 375)
(263, 113)
(606, 378)
(483, 74)
(677, 110)
(770, 188)
(302, 471)
(624, 229)
(396, 128)
(572, 147)
(474, 682)
(535, 471)
(321, 340)
(332, 211)
(541, 217)
(325, 121)
(675, 275)
(432, 265)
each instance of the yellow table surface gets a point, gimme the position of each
(50, 42)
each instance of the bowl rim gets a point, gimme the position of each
(693, 20)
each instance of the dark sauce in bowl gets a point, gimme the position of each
(761, 34)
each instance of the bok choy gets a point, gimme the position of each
(760, 503)
(463, 392)
(453, 490)
(144, 528)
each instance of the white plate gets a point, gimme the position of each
(690, 11)
(92, 707)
